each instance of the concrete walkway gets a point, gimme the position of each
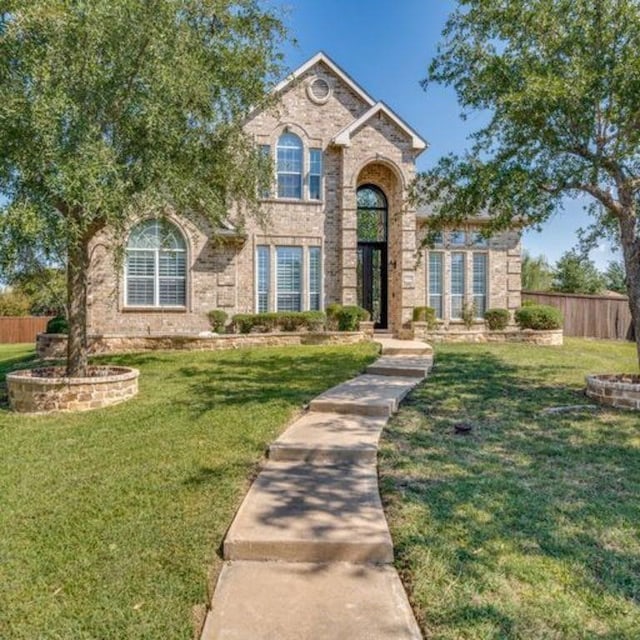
(309, 555)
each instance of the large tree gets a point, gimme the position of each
(536, 273)
(558, 84)
(110, 108)
(576, 273)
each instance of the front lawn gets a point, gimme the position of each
(111, 521)
(529, 527)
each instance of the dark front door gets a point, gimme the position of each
(372, 281)
(372, 253)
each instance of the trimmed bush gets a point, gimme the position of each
(425, 314)
(58, 324)
(350, 316)
(332, 316)
(496, 319)
(283, 320)
(539, 317)
(217, 319)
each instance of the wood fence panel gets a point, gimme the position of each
(588, 316)
(18, 329)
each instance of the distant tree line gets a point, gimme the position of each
(574, 272)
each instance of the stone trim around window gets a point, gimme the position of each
(274, 259)
(443, 301)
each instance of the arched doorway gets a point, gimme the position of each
(372, 222)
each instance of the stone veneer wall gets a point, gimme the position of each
(614, 390)
(222, 275)
(480, 334)
(29, 393)
(52, 345)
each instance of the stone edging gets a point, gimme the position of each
(52, 345)
(610, 390)
(549, 337)
(48, 392)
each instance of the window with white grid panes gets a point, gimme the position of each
(263, 274)
(315, 278)
(155, 266)
(480, 284)
(436, 282)
(288, 278)
(315, 174)
(458, 263)
(289, 164)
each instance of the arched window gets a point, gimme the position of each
(372, 214)
(289, 151)
(156, 266)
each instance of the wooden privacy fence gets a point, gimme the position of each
(587, 316)
(14, 329)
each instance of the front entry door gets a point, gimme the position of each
(372, 281)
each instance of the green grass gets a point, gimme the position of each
(529, 528)
(111, 521)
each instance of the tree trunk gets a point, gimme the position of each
(631, 256)
(77, 279)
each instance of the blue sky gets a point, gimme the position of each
(386, 45)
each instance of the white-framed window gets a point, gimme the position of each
(156, 266)
(263, 277)
(478, 240)
(315, 174)
(457, 238)
(436, 282)
(458, 266)
(288, 278)
(315, 279)
(480, 284)
(289, 166)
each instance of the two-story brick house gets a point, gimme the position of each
(337, 229)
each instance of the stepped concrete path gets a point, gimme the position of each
(308, 555)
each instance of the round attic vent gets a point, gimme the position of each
(319, 90)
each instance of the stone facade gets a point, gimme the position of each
(47, 390)
(361, 142)
(54, 346)
(618, 391)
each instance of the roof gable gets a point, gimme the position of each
(340, 73)
(343, 138)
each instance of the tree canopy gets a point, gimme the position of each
(575, 273)
(110, 108)
(536, 273)
(559, 82)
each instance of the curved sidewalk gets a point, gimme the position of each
(309, 555)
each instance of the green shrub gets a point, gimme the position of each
(350, 316)
(496, 319)
(468, 314)
(283, 320)
(529, 303)
(539, 316)
(315, 320)
(58, 324)
(332, 316)
(425, 314)
(218, 320)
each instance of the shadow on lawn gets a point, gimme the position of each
(542, 486)
(258, 377)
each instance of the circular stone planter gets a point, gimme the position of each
(47, 389)
(616, 390)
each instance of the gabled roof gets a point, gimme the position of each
(343, 75)
(343, 138)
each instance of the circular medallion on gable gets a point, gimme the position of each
(318, 90)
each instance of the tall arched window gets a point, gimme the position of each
(156, 266)
(289, 151)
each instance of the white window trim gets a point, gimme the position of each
(321, 280)
(156, 278)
